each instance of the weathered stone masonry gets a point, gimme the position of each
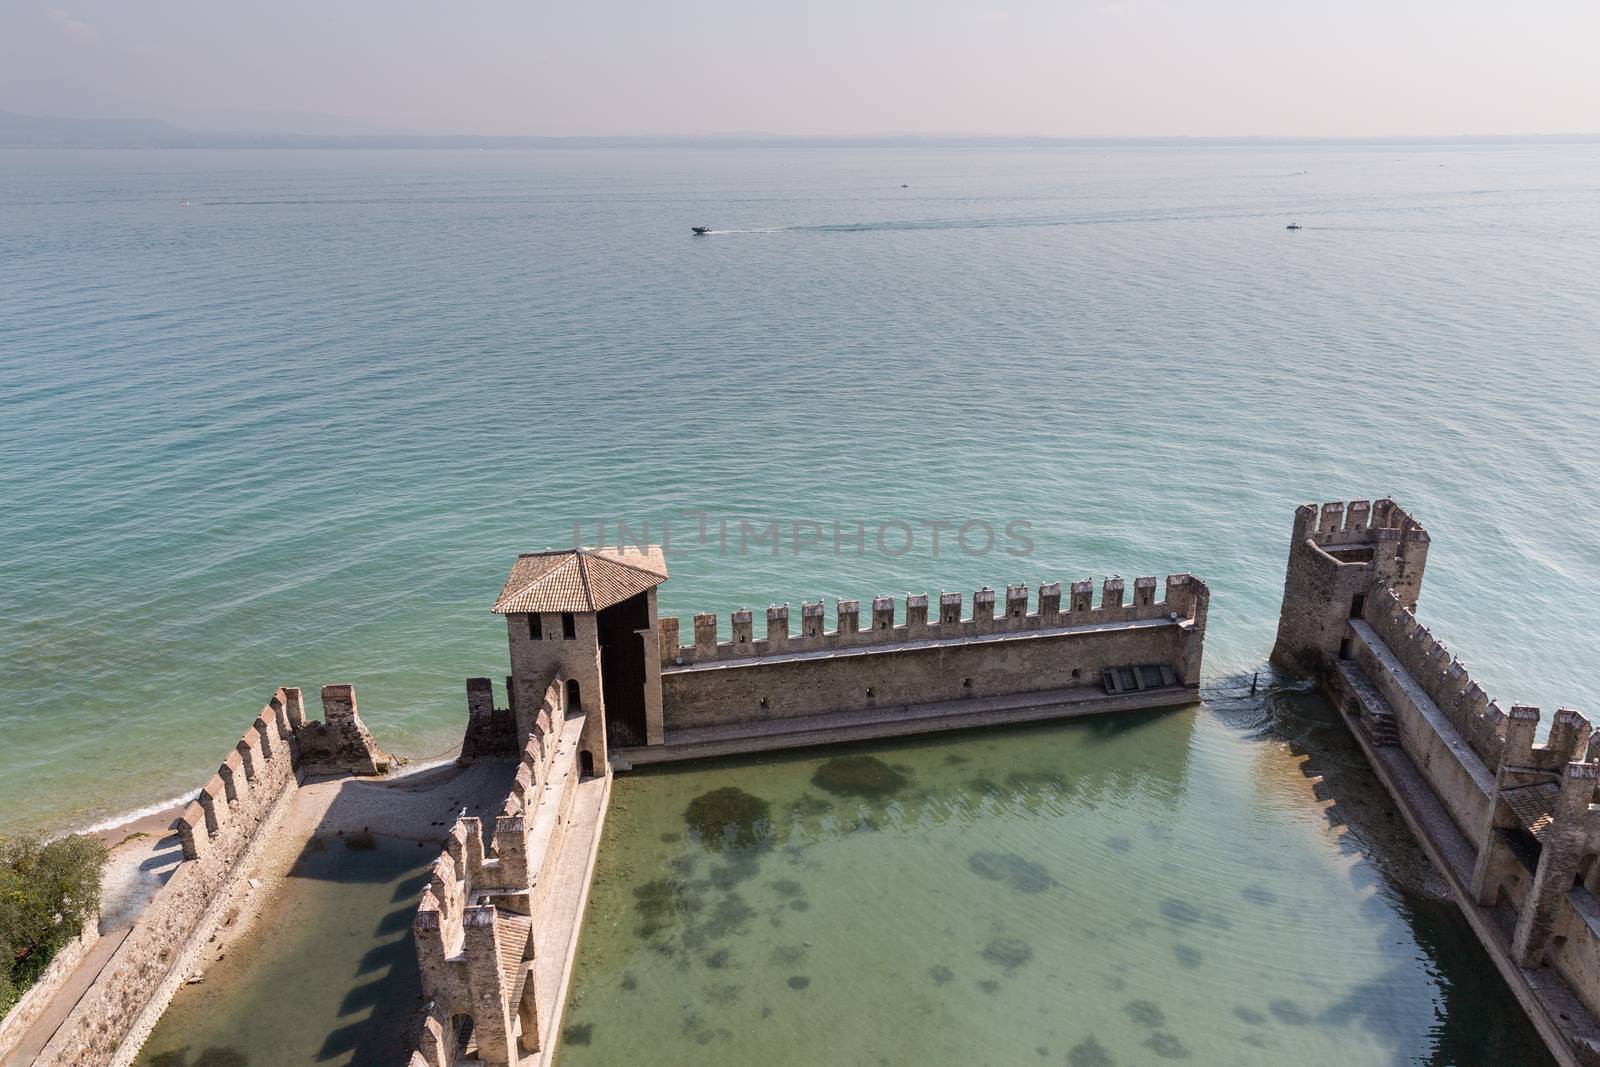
(480, 916)
(591, 615)
(598, 680)
(221, 832)
(1000, 649)
(1511, 824)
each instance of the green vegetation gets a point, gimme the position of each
(47, 889)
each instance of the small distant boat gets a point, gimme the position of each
(700, 231)
(1293, 226)
(905, 186)
(183, 203)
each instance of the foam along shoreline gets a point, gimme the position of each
(115, 829)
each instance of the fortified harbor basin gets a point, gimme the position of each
(1081, 873)
(1222, 883)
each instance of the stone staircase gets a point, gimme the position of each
(1377, 717)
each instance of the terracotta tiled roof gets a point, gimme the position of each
(579, 579)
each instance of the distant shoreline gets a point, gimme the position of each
(45, 132)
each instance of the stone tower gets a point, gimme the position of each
(1335, 556)
(585, 619)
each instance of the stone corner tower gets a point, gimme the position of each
(1337, 556)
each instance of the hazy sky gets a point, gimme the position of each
(1121, 67)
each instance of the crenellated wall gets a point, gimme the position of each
(1442, 676)
(1511, 823)
(881, 660)
(1184, 596)
(221, 832)
(491, 731)
(478, 921)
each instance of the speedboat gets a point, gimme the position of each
(1292, 226)
(700, 231)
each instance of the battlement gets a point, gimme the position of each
(1186, 601)
(478, 917)
(1521, 830)
(341, 742)
(273, 748)
(1337, 524)
(1443, 677)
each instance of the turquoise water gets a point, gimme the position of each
(1212, 885)
(295, 432)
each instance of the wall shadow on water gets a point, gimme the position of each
(382, 877)
(1477, 1017)
(384, 989)
(327, 973)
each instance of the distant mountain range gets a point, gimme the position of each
(43, 131)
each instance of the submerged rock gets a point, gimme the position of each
(1020, 874)
(1145, 1012)
(1008, 952)
(1089, 1053)
(728, 818)
(1166, 1046)
(859, 776)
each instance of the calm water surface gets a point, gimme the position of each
(1213, 885)
(295, 433)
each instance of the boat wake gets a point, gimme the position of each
(999, 222)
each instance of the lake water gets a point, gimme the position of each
(295, 432)
(1214, 885)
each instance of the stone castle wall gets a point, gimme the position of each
(1442, 676)
(1512, 823)
(221, 833)
(1000, 649)
(480, 913)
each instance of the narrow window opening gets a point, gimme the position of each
(1358, 605)
(1344, 648)
(569, 626)
(586, 763)
(536, 626)
(966, 683)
